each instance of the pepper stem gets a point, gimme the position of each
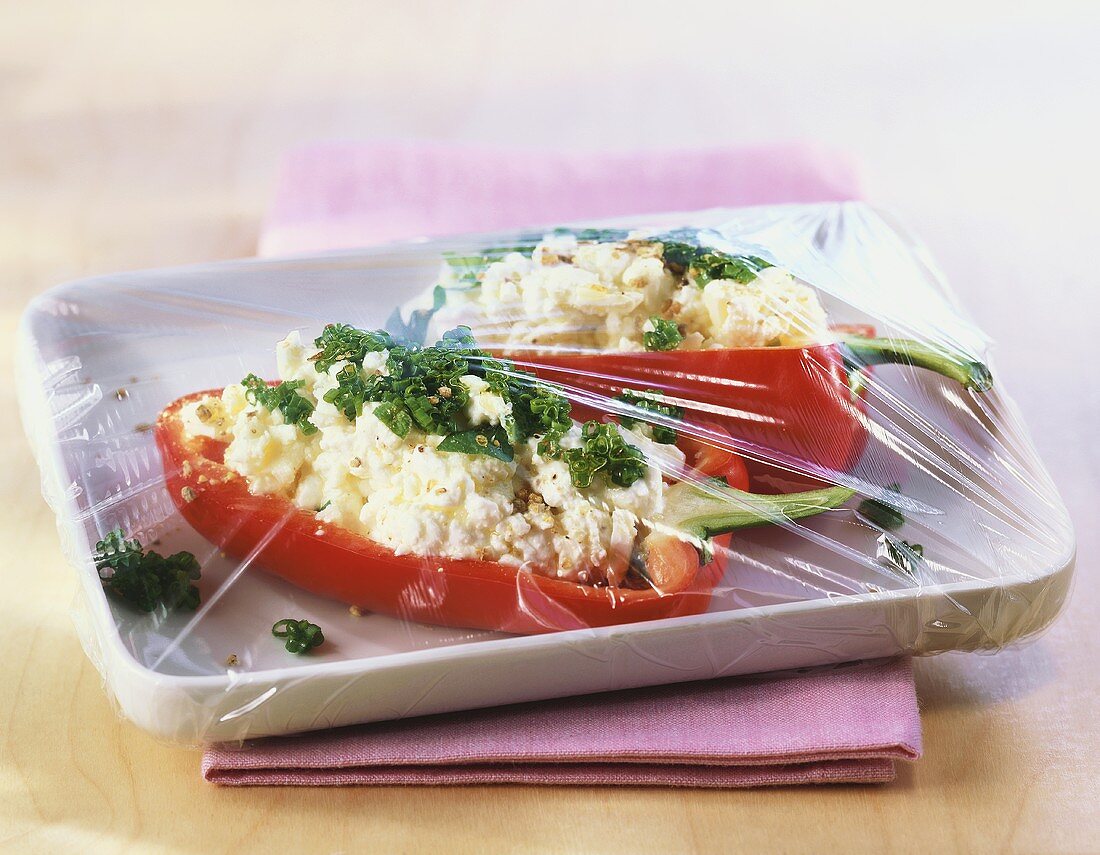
(705, 512)
(859, 353)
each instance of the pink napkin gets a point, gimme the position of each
(346, 194)
(831, 726)
(846, 724)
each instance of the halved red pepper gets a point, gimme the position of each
(275, 535)
(797, 405)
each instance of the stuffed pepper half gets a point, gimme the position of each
(728, 335)
(444, 485)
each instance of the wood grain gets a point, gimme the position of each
(136, 135)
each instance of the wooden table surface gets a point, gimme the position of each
(137, 135)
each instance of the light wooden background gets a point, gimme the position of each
(146, 134)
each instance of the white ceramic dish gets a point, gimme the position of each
(100, 358)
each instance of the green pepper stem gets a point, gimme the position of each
(703, 513)
(859, 353)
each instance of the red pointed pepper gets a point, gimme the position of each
(274, 535)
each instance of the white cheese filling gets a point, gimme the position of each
(406, 494)
(584, 295)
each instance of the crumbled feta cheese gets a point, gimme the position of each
(601, 296)
(590, 295)
(214, 417)
(773, 309)
(266, 450)
(484, 408)
(292, 359)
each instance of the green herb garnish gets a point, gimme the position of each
(901, 554)
(490, 441)
(301, 635)
(665, 335)
(881, 514)
(685, 251)
(350, 393)
(146, 579)
(603, 450)
(651, 402)
(424, 389)
(284, 397)
(340, 342)
(717, 265)
(596, 235)
(537, 408)
(679, 247)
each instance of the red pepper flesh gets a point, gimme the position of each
(802, 408)
(794, 404)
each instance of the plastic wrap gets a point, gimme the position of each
(819, 463)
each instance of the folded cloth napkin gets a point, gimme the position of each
(846, 724)
(343, 194)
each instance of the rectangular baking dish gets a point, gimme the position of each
(99, 358)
